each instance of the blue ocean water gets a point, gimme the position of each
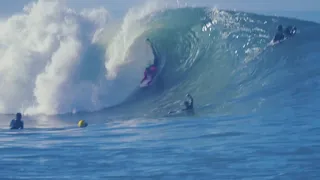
(256, 105)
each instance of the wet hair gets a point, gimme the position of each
(18, 115)
(280, 28)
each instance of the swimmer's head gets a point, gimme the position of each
(18, 116)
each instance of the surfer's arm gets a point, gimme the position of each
(151, 45)
(144, 76)
(153, 50)
(12, 124)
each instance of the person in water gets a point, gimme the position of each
(188, 107)
(151, 70)
(279, 35)
(282, 34)
(17, 123)
(290, 31)
(188, 104)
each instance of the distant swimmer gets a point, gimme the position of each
(17, 123)
(151, 71)
(188, 107)
(188, 104)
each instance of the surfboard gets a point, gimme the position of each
(272, 43)
(177, 113)
(146, 82)
(149, 81)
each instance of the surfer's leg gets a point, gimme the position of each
(144, 78)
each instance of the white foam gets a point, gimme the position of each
(41, 48)
(45, 52)
(132, 27)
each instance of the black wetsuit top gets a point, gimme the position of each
(189, 107)
(289, 31)
(278, 37)
(16, 124)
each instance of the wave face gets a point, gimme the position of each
(55, 60)
(222, 58)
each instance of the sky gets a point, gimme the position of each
(303, 9)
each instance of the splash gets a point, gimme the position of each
(40, 53)
(57, 60)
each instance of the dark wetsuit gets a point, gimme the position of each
(278, 37)
(290, 31)
(286, 33)
(189, 106)
(16, 124)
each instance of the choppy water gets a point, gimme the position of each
(185, 148)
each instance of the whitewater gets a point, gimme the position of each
(256, 113)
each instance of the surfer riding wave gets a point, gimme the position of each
(151, 71)
(281, 34)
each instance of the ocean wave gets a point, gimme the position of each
(57, 60)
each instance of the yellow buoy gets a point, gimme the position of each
(82, 123)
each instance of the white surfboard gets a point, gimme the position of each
(146, 82)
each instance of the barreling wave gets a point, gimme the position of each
(66, 61)
(223, 59)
